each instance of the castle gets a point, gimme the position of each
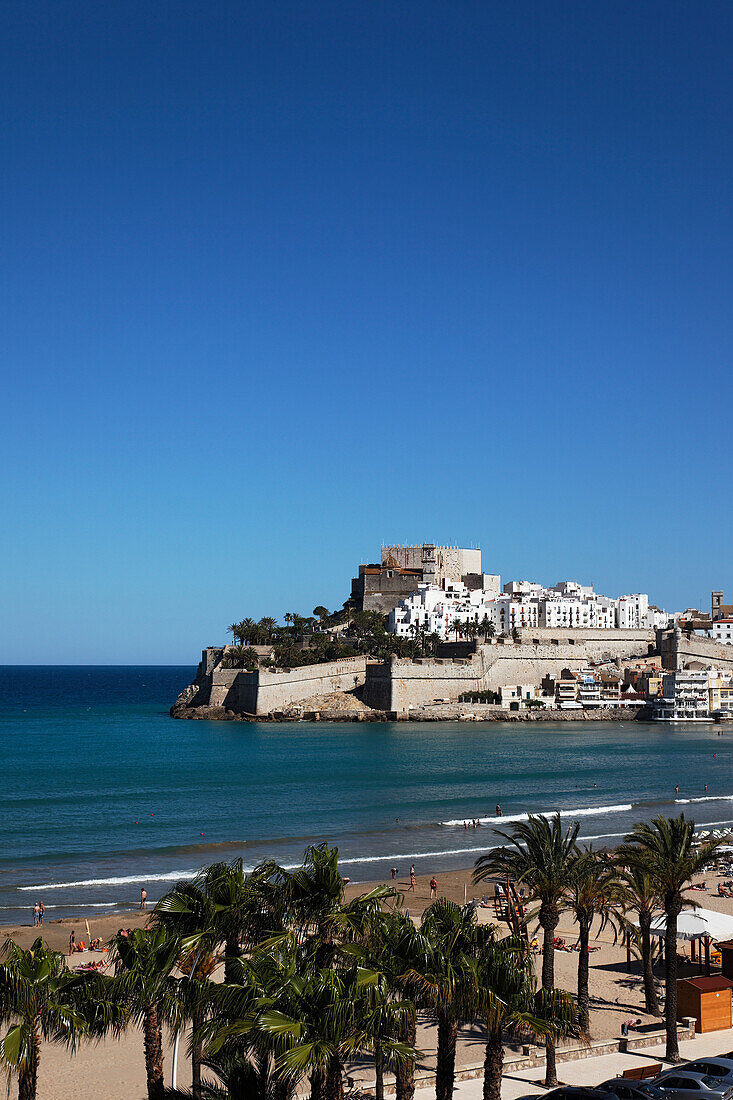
(380, 587)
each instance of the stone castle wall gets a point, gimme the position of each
(681, 652)
(397, 685)
(264, 690)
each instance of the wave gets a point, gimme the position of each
(80, 905)
(175, 876)
(114, 880)
(705, 798)
(584, 811)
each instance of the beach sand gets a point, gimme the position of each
(114, 1070)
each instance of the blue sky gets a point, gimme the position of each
(282, 281)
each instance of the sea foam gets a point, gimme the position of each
(584, 811)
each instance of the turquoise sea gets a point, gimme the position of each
(102, 792)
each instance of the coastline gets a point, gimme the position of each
(437, 712)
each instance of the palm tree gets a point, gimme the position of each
(307, 1021)
(233, 629)
(197, 964)
(641, 894)
(144, 961)
(539, 855)
(268, 624)
(403, 954)
(313, 896)
(664, 849)
(44, 1000)
(383, 945)
(593, 891)
(448, 982)
(510, 1003)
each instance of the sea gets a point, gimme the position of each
(103, 793)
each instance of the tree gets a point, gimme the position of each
(593, 891)
(313, 896)
(510, 1003)
(515, 634)
(196, 964)
(448, 980)
(144, 961)
(320, 612)
(642, 895)
(223, 905)
(43, 1000)
(268, 625)
(539, 855)
(664, 849)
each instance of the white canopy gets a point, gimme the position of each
(693, 924)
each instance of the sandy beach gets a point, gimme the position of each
(114, 1070)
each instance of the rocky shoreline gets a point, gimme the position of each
(444, 712)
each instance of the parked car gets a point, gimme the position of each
(574, 1092)
(720, 1066)
(688, 1085)
(623, 1089)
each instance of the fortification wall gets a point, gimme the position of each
(680, 652)
(277, 689)
(263, 691)
(398, 685)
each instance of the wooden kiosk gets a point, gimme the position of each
(708, 999)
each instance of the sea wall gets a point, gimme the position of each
(219, 690)
(399, 685)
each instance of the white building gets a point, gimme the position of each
(437, 609)
(632, 611)
(523, 605)
(722, 631)
(685, 697)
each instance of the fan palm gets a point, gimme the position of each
(197, 964)
(144, 961)
(508, 1002)
(313, 897)
(664, 849)
(308, 1020)
(539, 855)
(641, 894)
(41, 999)
(593, 892)
(223, 904)
(402, 954)
(382, 943)
(447, 981)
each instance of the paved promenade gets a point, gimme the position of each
(589, 1071)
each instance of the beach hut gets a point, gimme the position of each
(708, 1000)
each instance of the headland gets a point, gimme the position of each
(427, 636)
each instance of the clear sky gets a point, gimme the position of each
(282, 281)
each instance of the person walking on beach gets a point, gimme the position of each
(433, 887)
(143, 898)
(41, 911)
(36, 915)
(72, 943)
(412, 877)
